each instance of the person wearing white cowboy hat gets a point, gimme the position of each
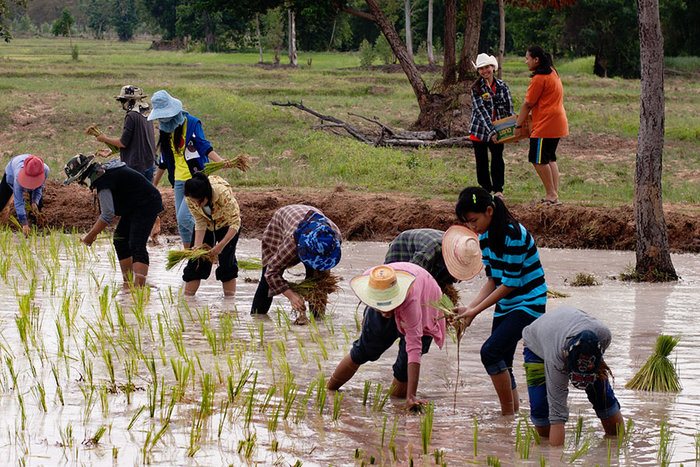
(24, 174)
(397, 296)
(137, 144)
(491, 101)
(514, 283)
(184, 149)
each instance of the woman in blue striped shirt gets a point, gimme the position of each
(515, 285)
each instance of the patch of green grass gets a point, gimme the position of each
(584, 279)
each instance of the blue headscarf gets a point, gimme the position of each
(168, 125)
(318, 245)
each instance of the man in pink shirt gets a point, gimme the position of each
(397, 297)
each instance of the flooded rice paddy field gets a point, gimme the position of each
(93, 374)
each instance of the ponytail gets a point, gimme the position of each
(476, 199)
(546, 64)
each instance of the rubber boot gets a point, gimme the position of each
(343, 372)
(502, 384)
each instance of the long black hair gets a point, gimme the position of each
(476, 199)
(199, 187)
(546, 65)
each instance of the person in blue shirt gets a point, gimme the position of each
(183, 150)
(24, 174)
(515, 284)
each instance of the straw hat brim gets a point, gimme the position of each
(455, 267)
(360, 285)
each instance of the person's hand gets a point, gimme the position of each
(412, 403)
(103, 152)
(88, 240)
(26, 229)
(297, 302)
(494, 139)
(465, 314)
(35, 208)
(213, 255)
(101, 137)
(227, 163)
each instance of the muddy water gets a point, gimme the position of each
(246, 430)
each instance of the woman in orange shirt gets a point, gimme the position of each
(545, 98)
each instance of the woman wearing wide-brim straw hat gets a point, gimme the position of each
(397, 296)
(461, 251)
(515, 284)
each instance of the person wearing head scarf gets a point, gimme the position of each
(137, 144)
(296, 233)
(122, 192)
(563, 346)
(24, 174)
(184, 149)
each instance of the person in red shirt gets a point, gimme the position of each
(545, 99)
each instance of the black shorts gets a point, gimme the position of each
(228, 266)
(543, 150)
(378, 334)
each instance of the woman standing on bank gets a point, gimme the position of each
(491, 101)
(545, 98)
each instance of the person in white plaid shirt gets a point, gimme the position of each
(491, 101)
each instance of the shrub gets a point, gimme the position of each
(366, 54)
(383, 50)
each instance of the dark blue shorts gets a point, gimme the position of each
(378, 334)
(543, 150)
(600, 395)
(228, 265)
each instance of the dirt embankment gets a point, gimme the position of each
(363, 216)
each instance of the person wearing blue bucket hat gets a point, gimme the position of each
(184, 149)
(564, 346)
(296, 233)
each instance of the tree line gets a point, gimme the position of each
(606, 29)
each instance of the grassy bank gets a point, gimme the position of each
(48, 99)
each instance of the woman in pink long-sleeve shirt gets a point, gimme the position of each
(397, 297)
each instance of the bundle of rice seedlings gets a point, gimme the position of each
(446, 305)
(176, 256)
(658, 373)
(92, 130)
(315, 290)
(250, 263)
(240, 162)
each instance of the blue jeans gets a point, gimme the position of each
(600, 395)
(499, 349)
(185, 221)
(148, 173)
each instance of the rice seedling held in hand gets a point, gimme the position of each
(177, 256)
(240, 162)
(446, 305)
(92, 130)
(658, 373)
(250, 264)
(315, 291)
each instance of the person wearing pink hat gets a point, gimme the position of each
(24, 174)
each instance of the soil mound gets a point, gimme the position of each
(366, 216)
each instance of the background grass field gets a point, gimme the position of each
(47, 100)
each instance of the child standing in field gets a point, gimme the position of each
(545, 98)
(491, 101)
(567, 345)
(217, 224)
(515, 284)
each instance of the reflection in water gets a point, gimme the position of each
(264, 377)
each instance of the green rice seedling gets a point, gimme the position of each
(582, 450)
(151, 397)
(40, 394)
(446, 306)
(379, 406)
(303, 403)
(578, 430)
(426, 427)
(377, 396)
(665, 444)
(59, 390)
(135, 417)
(274, 445)
(104, 401)
(177, 256)
(697, 446)
(93, 130)
(66, 435)
(584, 279)
(107, 357)
(554, 294)
(439, 456)
(240, 162)
(222, 417)
(321, 394)
(273, 421)
(290, 395)
(250, 264)
(383, 429)
(241, 382)
(268, 396)
(94, 440)
(208, 390)
(251, 400)
(658, 373)
(624, 434)
(195, 433)
(365, 392)
(302, 350)
(247, 446)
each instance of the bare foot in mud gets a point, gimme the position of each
(301, 320)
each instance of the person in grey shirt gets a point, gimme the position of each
(561, 346)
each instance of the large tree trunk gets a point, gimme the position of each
(257, 31)
(400, 52)
(409, 36)
(429, 40)
(471, 40)
(209, 31)
(449, 68)
(502, 35)
(653, 256)
(292, 39)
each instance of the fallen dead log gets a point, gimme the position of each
(387, 136)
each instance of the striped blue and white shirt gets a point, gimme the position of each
(519, 267)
